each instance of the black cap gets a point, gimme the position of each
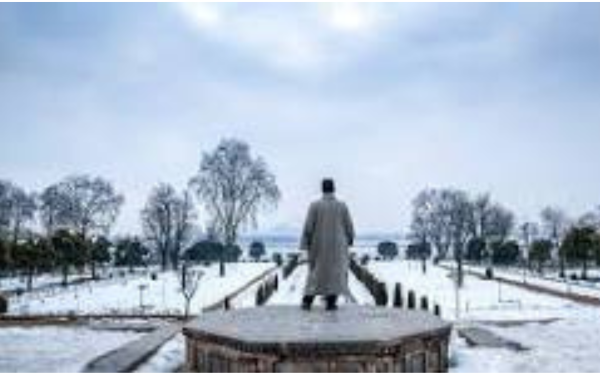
(328, 186)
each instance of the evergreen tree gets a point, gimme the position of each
(580, 245)
(539, 253)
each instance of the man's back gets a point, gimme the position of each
(328, 231)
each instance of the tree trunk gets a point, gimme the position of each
(460, 273)
(163, 260)
(187, 307)
(30, 272)
(65, 274)
(93, 265)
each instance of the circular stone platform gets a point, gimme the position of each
(288, 339)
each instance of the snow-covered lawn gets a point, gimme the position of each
(477, 300)
(128, 295)
(55, 349)
(581, 287)
(567, 344)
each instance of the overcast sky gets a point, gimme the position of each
(386, 98)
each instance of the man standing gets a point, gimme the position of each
(327, 234)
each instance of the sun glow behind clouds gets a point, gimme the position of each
(308, 38)
(204, 15)
(350, 17)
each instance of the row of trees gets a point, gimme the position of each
(67, 225)
(73, 217)
(478, 229)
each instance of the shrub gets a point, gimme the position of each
(411, 303)
(257, 250)
(226, 304)
(3, 304)
(212, 251)
(398, 302)
(364, 260)
(505, 253)
(387, 249)
(424, 303)
(381, 295)
(278, 259)
(418, 250)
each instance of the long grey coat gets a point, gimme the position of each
(328, 232)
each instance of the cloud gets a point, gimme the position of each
(291, 37)
(388, 98)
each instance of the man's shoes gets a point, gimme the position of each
(307, 302)
(331, 303)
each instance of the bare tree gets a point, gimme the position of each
(190, 281)
(53, 205)
(234, 186)
(82, 204)
(431, 221)
(183, 225)
(167, 222)
(444, 217)
(460, 211)
(528, 231)
(555, 223)
(17, 207)
(490, 221)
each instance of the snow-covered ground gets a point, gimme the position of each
(567, 344)
(291, 290)
(169, 358)
(55, 349)
(138, 294)
(581, 287)
(68, 349)
(477, 300)
(563, 345)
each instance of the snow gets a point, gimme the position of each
(169, 358)
(138, 294)
(55, 349)
(564, 345)
(291, 290)
(567, 345)
(477, 300)
(581, 287)
(11, 284)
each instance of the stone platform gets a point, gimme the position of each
(287, 339)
